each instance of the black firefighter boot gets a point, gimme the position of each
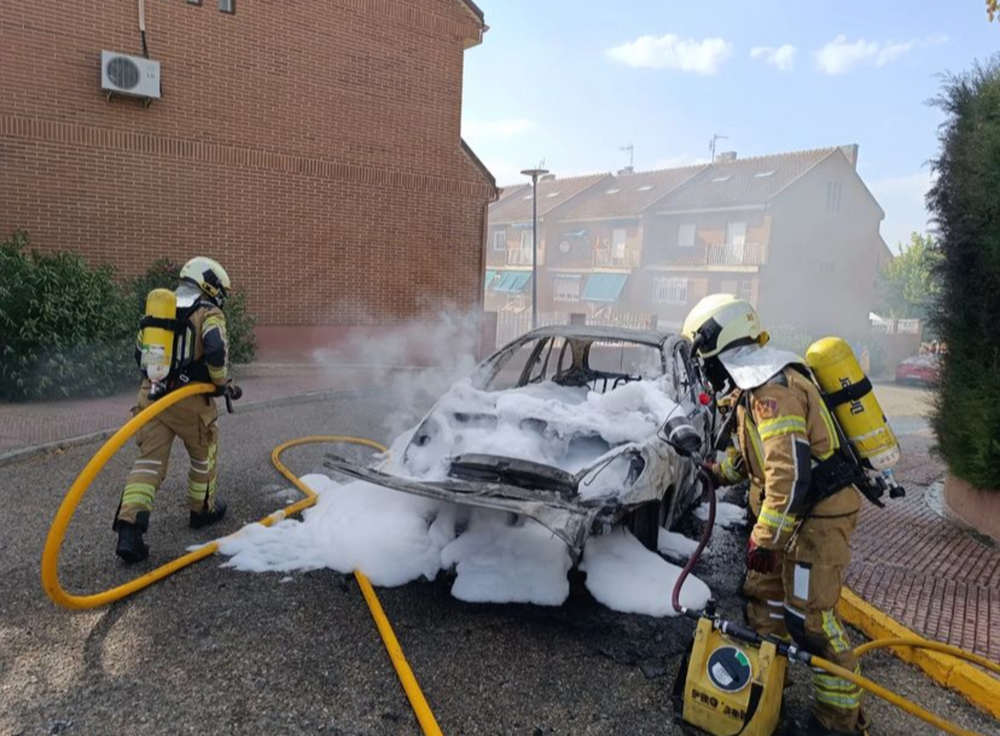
(131, 548)
(201, 519)
(812, 727)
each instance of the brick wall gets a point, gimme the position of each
(313, 148)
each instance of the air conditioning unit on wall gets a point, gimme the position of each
(135, 76)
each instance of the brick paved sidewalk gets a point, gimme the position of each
(28, 424)
(923, 570)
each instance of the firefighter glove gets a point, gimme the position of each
(762, 560)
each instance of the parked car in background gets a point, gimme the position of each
(580, 428)
(924, 370)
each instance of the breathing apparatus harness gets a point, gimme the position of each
(183, 368)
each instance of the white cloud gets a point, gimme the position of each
(673, 52)
(902, 198)
(501, 128)
(781, 57)
(840, 55)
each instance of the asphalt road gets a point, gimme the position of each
(211, 650)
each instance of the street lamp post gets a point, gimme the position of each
(534, 174)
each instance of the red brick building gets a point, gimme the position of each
(312, 148)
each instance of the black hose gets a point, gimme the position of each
(705, 536)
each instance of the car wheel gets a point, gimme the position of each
(644, 523)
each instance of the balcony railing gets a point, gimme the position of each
(735, 254)
(519, 257)
(616, 258)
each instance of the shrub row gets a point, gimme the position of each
(68, 329)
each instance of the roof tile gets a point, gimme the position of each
(745, 181)
(516, 206)
(628, 195)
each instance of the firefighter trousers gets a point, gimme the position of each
(195, 421)
(800, 600)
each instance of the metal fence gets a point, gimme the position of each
(896, 327)
(735, 254)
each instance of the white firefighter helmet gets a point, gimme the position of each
(208, 275)
(720, 322)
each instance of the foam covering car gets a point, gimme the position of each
(580, 428)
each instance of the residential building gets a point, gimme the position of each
(598, 241)
(509, 250)
(796, 233)
(312, 148)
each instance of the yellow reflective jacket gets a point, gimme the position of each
(782, 428)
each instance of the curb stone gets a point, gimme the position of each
(978, 687)
(47, 448)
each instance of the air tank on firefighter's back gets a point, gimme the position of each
(853, 402)
(158, 337)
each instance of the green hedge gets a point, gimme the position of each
(67, 329)
(966, 315)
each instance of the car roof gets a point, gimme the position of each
(588, 332)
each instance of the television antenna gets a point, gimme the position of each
(711, 144)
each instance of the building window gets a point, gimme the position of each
(227, 6)
(745, 288)
(499, 240)
(526, 239)
(566, 288)
(618, 241)
(833, 192)
(736, 233)
(194, 2)
(685, 235)
(670, 291)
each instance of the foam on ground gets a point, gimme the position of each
(727, 515)
(625, 576)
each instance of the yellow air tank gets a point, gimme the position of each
(157, 338)
(853, 401)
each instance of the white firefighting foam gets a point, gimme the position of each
(395, 537)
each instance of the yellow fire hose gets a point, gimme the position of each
(422, 711)
(413, 693)
(57, 532)
(897, 700)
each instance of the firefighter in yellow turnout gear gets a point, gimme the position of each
(799, 546)
(200, 353)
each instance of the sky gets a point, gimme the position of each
(570, 82)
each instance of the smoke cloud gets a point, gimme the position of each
(413, 363)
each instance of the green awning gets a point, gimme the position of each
(604, 287)
(490, 275)
(513, 282)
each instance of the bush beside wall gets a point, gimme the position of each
(68, 329)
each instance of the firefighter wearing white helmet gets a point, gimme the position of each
(198, 353)
(798, 548)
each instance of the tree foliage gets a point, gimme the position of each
(967, 314)
(908, 284)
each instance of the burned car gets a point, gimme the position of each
(578, 428)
